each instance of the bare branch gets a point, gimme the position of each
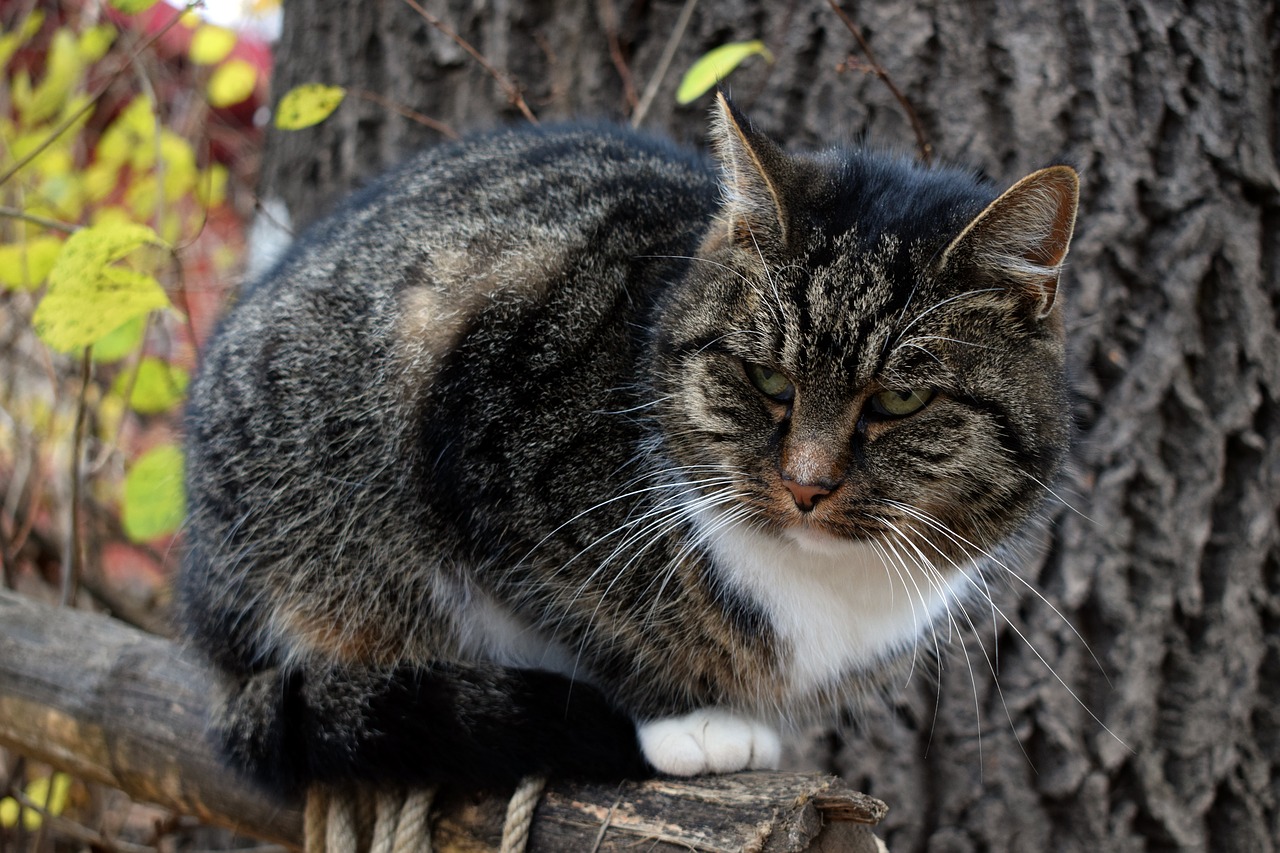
(111, 704)
(504, 79)
(923, 146)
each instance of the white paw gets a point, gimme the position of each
(709, 741)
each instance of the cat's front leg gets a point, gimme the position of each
(709, 740)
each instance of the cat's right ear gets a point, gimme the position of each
(754, 168)
(1023, 235)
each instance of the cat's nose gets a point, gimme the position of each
(806, 495)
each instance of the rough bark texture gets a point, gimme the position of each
(1165, 554)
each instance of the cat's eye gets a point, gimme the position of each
(899, 404)
(770, 383)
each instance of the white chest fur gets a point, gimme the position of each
(839, 606)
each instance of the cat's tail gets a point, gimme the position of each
(474, 726)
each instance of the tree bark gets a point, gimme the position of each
(111, 704)
(1164, 558)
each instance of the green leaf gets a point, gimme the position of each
(87, 296)
(133, 7)
(154, 500)
(232, 82)
(715, 65)
(25, 266)
(116, 344)
(210, 44)
(308, 104)
(157, 387)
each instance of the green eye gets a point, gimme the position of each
(899, 404)
(771, 383)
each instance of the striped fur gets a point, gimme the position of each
(480, 480)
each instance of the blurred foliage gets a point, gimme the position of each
(127, 146)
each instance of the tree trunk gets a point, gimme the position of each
(1164, 559)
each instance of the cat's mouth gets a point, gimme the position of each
(830, 525)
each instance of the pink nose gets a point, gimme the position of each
(806, 494)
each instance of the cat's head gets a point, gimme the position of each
(866, 348)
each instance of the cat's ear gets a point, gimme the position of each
(754, 168)
(1024, 234)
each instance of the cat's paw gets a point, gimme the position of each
(709, 740)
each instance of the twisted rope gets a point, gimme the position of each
(352, 820)
(520, 809)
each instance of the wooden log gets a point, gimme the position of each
(111, 704)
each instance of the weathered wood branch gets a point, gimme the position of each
(111, 704)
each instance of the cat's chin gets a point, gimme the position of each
(815, 540)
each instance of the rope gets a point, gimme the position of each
(414, 830)
(314, 819)
(515, 830)
(387, 814)
(351, 820)
(341, 833)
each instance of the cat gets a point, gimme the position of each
(565, 451)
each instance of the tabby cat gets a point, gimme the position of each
(565, 451)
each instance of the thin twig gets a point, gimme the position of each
(43, 222)
(71, 557)
(413, 115)
(609, 17)
(922, 144)
(92, 102)
(504, 79)
(604, 826)
(75, 831)
(668, 54)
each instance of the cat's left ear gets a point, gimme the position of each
(755, 169)
(1024, 234)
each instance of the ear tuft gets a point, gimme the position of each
(754, 168)
(1024, 234)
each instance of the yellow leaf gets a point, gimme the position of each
(232, 82)
(211, 187)
(154, 502)
(157, 387)
(87, 296)
(210, 44)
(133, 7)
(63, 68)
(22, 34)
(715, 65)
(141, 197)
(20, 93)
(100, 179)
(96, 41)
(9, 810)
(179, 165)
(50, 793)
(138, 118)
(308, 104)
(24, 266)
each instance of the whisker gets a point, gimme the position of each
(956, 538)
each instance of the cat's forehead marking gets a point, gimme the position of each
(833, 317)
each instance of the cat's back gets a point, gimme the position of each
(304, 418)
(405, 264)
